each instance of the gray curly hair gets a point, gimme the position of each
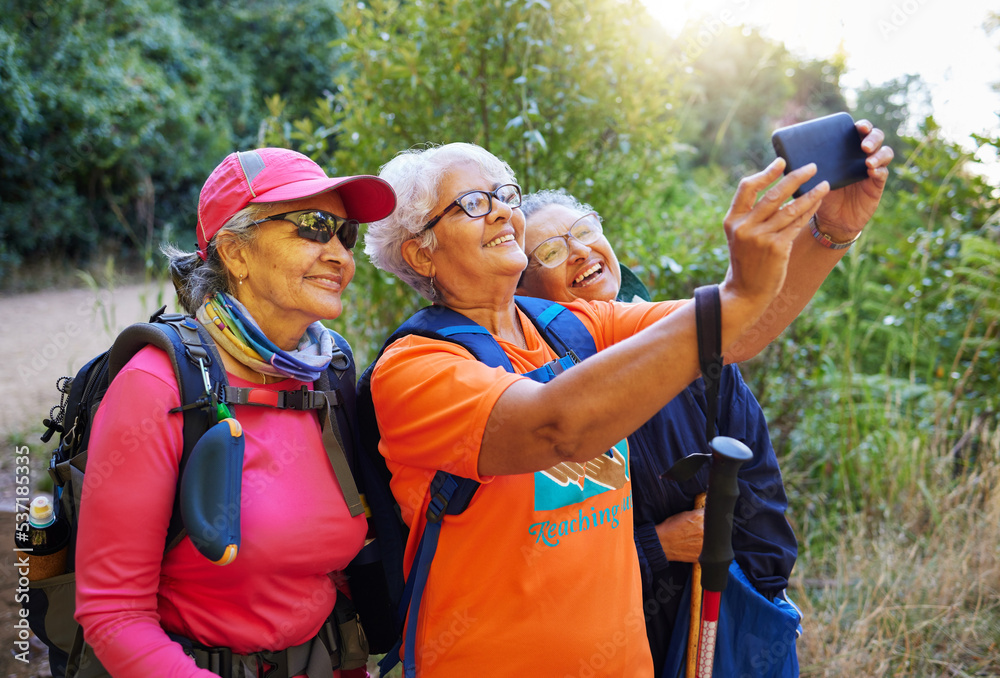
(539, 200)
(416, 175)
(195, 279)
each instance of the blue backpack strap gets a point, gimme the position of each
(560, 328)
(451, 494)
(438, 322)
(563, 331)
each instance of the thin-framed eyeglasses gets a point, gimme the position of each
(480, 203)
(320, 226)
(555, 250)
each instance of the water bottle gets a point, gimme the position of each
(48, 541)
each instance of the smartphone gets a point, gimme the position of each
(832, 142)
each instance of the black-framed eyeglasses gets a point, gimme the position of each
(320, 226)
(555, 250)
(480, 203)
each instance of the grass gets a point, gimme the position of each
(917, 592)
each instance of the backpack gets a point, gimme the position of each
(451, 494)
(755, 636)
(203, 386)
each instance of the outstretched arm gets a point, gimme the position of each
(591, 407)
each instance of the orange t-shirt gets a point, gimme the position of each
(539, 575)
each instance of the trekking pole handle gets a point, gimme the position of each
(728, 454)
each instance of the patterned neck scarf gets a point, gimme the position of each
(236, 332)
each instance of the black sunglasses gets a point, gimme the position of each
(320, 226)
(480, 203)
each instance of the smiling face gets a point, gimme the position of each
(289, 281)
(590, 272)
(476, 258)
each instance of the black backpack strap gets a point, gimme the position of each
(333, 442)
(339, 644)
(303, 399)
(708, 317)
(199, 372)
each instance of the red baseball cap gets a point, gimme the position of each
(281, 175)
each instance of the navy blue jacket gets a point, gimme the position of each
(763, 541)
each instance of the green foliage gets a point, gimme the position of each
(680, 244)
(572, 94)
(895, 105)
(281, 48)
(897, 353)
(564, 91)
(120, 107)
(742, 87)
(115, 112)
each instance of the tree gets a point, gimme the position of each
(742, 87)
(283, 47)
(114, 112)
(894, 105)
(572, 94)
(119, 101)
(563, 91)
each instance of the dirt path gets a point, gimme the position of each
(47, 335)
(44, 336)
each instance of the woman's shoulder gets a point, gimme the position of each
(418, 346)
(153, 362)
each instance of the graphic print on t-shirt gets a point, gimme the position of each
(571, 483)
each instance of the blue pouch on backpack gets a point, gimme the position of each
(210, 492)
(756, 637)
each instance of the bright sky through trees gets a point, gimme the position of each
(942, 41)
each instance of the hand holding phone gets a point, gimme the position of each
(832, 142)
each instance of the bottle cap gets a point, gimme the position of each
(41, 514)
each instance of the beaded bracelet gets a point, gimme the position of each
(825, 240)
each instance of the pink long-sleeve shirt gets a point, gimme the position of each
(295, 525)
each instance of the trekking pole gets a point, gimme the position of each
(694, 623)
(728, 454)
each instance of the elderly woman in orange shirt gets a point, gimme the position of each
(539, 575)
